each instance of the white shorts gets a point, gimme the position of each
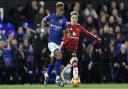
(52, 47)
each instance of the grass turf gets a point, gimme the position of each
(53, 86)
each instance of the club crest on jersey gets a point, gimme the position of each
(71, 29)
(78, 29)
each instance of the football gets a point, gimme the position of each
(75, 82)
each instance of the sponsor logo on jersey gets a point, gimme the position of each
(56, 27)
(74, 37)
(73, 33)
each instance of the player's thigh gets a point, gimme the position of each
(53, 47)
(66, 56)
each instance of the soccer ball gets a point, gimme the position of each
(75, 82)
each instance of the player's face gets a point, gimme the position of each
(60, 11)
(74, 19)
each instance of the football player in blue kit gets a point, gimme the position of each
(57, 23)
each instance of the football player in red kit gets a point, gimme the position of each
(70, 44)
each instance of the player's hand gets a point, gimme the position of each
(67, 33)
(48, 23)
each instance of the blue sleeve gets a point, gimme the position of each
(47, 18)
(65, 24)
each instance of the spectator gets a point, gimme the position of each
(68, 9)
(20, 64)
(105, 55)
(89, 11)
(120, 65)
(30, 10)
(111, 21)
(17, 16)
(47, 11)
(112, 6)
(8, 60)
(102, 21)
(19, 37)
(41, 49)
(104, 8)
(42, 4)
(28, 35)
(90, 22)
(122, 12)
(76, 7)
(39, 16)
(29, 61)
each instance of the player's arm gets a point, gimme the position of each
(67, 32)
(90, 35)
(43, 23)
(46, 21)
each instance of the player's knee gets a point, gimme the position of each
(74, 60)
(52, 61)
(58, 55)
(62, 67)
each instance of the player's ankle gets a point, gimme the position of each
(46, 75)
(57, 77)
(75, 77)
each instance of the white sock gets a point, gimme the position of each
(46, 75)
(57, 77)
(75, 72)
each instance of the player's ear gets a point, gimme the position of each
(56, 9)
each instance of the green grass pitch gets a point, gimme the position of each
(82, 86)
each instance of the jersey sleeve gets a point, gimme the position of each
(88, 34)
(65, 24)
(47, 18)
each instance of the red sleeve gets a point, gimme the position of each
(88, 34)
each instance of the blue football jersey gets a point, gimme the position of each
(57, 26)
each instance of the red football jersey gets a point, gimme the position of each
(71, 43)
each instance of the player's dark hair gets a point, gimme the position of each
(58, 4)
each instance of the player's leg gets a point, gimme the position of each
(52, 47)
(49, 71)
(58, 57)
(50, 68)
(74, 63)
(66, 56)
(55, 52)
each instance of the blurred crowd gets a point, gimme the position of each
(24, 55)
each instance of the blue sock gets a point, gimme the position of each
(58, 67)
(50, 68)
